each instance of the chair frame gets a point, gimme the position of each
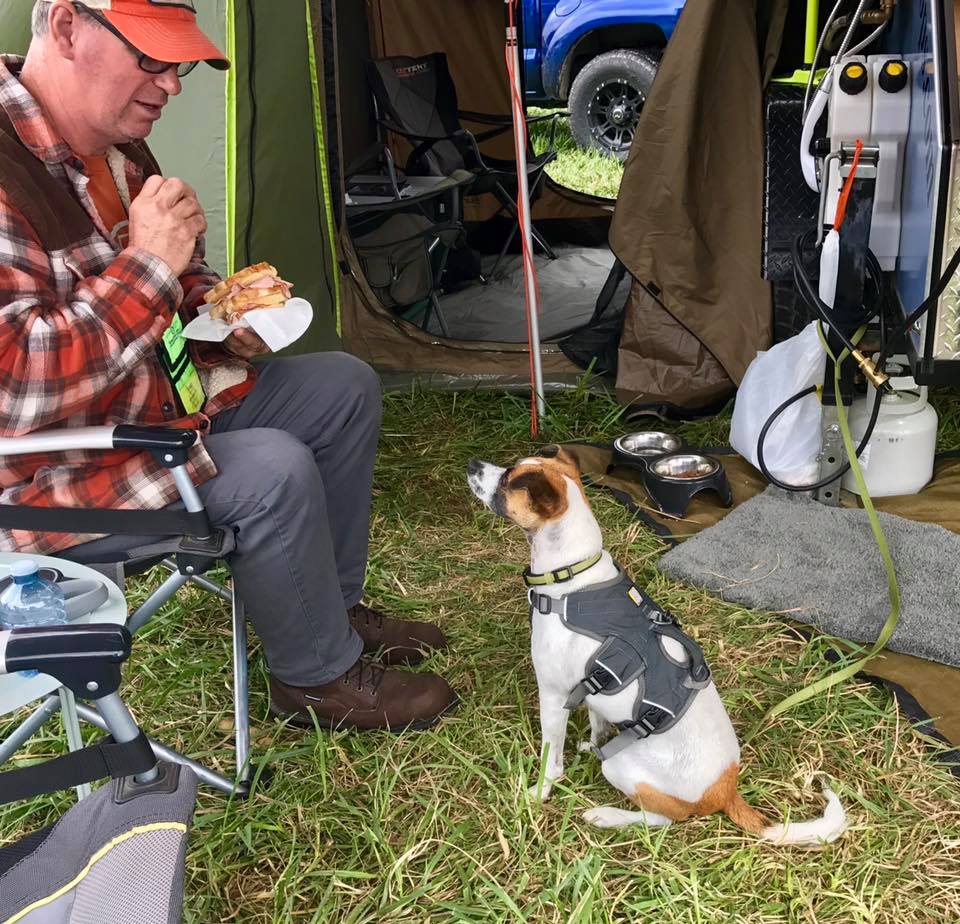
(470, 141)
(169, 446)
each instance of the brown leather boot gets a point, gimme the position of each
(366, 697)
(399, 641)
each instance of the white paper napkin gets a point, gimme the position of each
(278, 327)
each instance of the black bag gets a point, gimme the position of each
(399, 257)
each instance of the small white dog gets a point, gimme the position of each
(677, 754)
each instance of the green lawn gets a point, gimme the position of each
(575, 167)
(436, 827)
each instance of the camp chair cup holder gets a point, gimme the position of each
(672, 474)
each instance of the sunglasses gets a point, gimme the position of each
(148, 64)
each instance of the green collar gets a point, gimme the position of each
(561, 574)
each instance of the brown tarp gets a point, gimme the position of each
(934, 687)
(688, 221)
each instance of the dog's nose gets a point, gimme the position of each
(474, 467)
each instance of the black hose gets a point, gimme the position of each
(812, 297)
(875, 413)
(923, 307)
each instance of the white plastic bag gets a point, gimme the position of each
(792, 443)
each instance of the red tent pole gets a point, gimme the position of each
(523, 209)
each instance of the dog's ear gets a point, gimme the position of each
(546, 492)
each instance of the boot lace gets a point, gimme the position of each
(365, 673)
(361, 609)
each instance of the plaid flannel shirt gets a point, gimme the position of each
(79, 328)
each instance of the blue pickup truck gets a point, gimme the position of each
(600, 58)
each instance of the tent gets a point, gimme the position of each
(269, 144)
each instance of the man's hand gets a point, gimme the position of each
(166, 219)
(246, 344)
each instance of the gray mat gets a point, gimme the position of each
(786, 553)
(569, 287)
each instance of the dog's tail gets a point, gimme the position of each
(815, 833)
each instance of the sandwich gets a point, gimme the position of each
(257, 286)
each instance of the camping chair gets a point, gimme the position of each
(118, 854)
(183, 541)
(417, 99)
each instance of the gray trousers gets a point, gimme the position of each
(295, 470)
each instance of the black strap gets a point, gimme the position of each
(106, 759)
(125, 522)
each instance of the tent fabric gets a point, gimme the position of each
(688, 226)
(281, 208)
(472, 36)
(568, 287)
(688, 219)
(377, 335)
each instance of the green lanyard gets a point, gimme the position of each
(175, 359)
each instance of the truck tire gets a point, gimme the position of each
(607, 96)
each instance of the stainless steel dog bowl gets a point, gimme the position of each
(646, 443)
(673, 480)
(684, 466)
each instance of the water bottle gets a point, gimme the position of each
(30, 601)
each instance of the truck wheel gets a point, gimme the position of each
(606, 98)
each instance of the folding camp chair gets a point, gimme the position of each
(183, 541)
(417, 99)
(118, 855)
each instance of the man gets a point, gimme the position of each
(99, 256)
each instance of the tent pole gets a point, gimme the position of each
(523, 203)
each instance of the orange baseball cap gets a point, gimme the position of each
(163, 29)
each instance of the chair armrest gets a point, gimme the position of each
(123, 436)
(168, 446)
(41, 646)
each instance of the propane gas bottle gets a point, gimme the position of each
(899, 457)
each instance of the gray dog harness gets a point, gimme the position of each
(631, 629)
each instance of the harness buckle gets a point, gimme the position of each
(699, 675)
(658, 616)
(539, 602)
(593, 684)
(646, 723)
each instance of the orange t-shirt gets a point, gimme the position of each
(103, 191)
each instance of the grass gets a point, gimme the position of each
(584, 170)
(436, 827)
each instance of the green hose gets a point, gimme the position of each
(848, 671)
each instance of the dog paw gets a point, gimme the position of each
(540, 793)
(585, 746)
(604, 816)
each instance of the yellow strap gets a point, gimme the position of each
(548, 577)
(848, 670)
